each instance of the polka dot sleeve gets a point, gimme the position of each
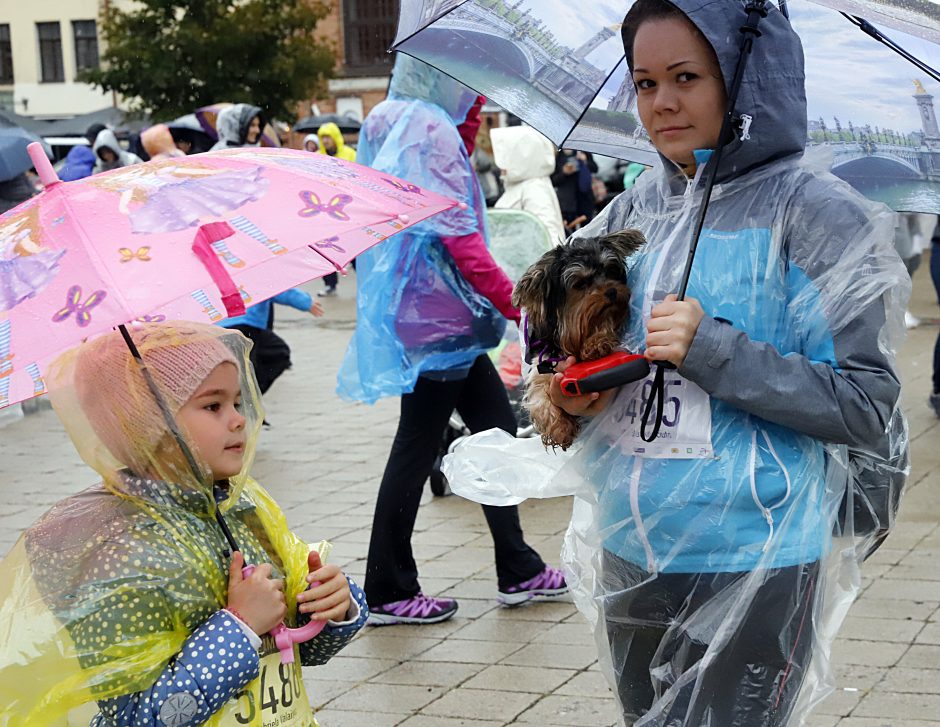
(214, 664)
(329, 642)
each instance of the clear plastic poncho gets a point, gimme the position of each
(415, 311)
(716, 564)
(100, 594)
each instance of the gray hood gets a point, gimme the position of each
(233, 123)
(773, 92)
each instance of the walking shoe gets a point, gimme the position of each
(550, 583)
(935, 402)
(419, 609)
(328, 293)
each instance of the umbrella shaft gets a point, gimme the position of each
(173, 427)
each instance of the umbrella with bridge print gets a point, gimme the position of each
(560, 67)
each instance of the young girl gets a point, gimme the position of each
(125, 596)
(708, 553)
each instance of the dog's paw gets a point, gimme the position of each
(561, 431)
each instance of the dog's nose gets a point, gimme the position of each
(611, 295)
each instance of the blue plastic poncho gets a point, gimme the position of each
(415, 311)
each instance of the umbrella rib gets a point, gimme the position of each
(424, 27)
(875, 33)
(593, 98)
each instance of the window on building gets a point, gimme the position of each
(6, 54)
(369, 29)
(86, 44)
(50, 52)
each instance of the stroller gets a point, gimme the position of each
(517, 239)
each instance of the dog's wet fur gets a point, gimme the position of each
(576, 301)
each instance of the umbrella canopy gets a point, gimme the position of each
(192, 238)
(208, 117)
(310, 124)
(14, 159)
(561, 68)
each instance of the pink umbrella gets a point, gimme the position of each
(192, 238)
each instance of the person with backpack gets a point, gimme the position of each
(707, 556)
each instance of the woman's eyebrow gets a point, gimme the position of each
(668, 68)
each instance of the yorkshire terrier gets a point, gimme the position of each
(576, 300)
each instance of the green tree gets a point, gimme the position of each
(170, 57)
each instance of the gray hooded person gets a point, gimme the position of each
(712, 561)
(109, 154)
(239, 125)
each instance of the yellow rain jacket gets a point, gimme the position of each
(342, 151)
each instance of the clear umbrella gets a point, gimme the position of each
(560, 67)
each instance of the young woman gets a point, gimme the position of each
(708, 549)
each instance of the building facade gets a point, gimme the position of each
(361, 32)
(43, 47)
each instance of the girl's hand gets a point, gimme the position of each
(258, 599)
(316, 310)
(329, 601)
(671, 329)
(587, 405)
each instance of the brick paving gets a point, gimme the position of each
(489, 667)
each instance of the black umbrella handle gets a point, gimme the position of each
(173, 427)
(755, 9)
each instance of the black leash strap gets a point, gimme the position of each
(755, 9)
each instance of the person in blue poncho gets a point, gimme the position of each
(713, 561)
(270, 354)
(80, 161)
(431, 301)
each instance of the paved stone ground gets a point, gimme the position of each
(535, 665)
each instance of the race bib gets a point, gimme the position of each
(686, 430)
(277, 698)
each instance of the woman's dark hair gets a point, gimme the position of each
(643, 11)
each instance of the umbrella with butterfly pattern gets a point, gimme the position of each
(192, 238)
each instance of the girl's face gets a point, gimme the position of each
(214, 424)
(254, 131)
(680, 93)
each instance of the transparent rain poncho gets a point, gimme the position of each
(415, 311)
(716, 564)
(101, 593)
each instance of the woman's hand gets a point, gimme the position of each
(316, 310)
(587, 405)
(671, 329)
(328, 601)
(258, 599)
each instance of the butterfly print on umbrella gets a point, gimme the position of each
(335, 208)
(330, 244)
(142, 254)
(404, 187)
(73, 304)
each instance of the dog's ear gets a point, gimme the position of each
(532, 288)
(624, 242)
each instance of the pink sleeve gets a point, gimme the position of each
(480, 270)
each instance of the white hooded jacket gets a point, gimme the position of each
(528, 159)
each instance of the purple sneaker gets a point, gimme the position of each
(419, 609)
(550, 583)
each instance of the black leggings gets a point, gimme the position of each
(480, 398)
(660, 627)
